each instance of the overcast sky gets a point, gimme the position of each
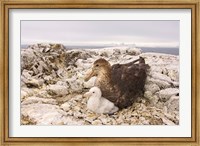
(101, 32)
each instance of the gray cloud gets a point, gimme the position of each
(100, 31)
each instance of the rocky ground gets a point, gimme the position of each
(52, 86)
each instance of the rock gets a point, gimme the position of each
(174, 75)
(40, 59)
(90, 83)
(62, 83)
(103, 54)
(96, 122)
(144, 121)
(116, 52)
(148, 94)
(34, 83)
(167, 121)
(161, 84)
(133, 51)
(152, 88)
(78, 114)
(47, 49)
(104, 121)
(27, 121)
(48, 79)
(43, 94)
(160, 76)
(58, 90)
(23, 94)
(173, 104)
(27, 58)
(154, 100)
(26, 92)
(66, 106)
(79, 63)
(42, 66)
(75, 85)
(72, 56)
(60, 72)
(33, 99)
(90, 117)
(170, 117)
(57, 46)
(27, 74)
(47, 114)
(165, 94)
(44, 45)
(43, 114)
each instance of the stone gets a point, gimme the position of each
(27, 74)
(33, 99)
(60, 72)
(23, 94)
(75, 85)
(48, 79)
(96, 122)
(167, 121)
(47, 49)
(174, 75)
(43, 114)
(90, 83)
(133, 51)
(161, 84)
(173, 104)
(154, 100)
(34, 83)
(27, 58)
(152, 88)
(58, 90)
(165, 94)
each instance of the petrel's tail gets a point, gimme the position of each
(140, 60)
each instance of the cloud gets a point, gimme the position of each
(100, 31)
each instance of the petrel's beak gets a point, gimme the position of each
(89, 74)
(87, 94)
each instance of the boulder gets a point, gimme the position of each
(165, 94)
(33, 99)
(173, 104)
(57, 90)
(34, 83)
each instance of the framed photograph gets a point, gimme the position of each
(105, 72)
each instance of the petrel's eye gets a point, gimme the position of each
(93, 92)
(97, 65)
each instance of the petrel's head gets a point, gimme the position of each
(94, 92)
(99, 66)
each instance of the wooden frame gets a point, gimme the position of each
(7, 4)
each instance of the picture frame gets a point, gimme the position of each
(6, 5)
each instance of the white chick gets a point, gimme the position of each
(98, 104)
